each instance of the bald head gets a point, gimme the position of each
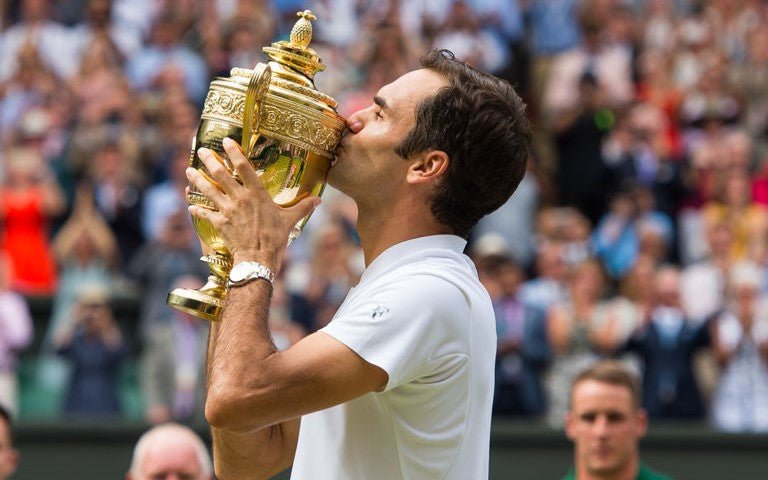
(171, 452)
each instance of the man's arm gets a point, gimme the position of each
(256, 394)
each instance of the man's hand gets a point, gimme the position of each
(252, 225)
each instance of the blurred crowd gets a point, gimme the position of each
(640, 230)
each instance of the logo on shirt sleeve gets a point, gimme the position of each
(379, 312)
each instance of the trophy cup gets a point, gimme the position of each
(286, 128)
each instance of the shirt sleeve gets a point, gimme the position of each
(405, 328)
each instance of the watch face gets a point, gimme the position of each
(239, 272)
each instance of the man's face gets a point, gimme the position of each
(366, 163)
(605, 427)
(9, 457)
(171, 461)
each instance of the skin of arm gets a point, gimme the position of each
(257, 394)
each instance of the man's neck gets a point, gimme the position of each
(380, 228)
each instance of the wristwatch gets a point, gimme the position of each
(244, 272)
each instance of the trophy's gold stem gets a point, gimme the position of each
(207, 302)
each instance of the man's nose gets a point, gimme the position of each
(355, 121)
(601, 426)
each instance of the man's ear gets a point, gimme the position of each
(428, 166)
(641, 422)
(570, 425)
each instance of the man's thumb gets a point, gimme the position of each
(303, 208)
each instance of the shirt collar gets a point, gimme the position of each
(411, 248)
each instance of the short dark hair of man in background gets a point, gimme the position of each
(605, 422)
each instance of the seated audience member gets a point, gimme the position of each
(740, 342)
(666, 343)
(94, 346)
(605, 422)
(9, 457)
(522, 351)
(170, 451)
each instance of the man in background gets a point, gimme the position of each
(170, 452)
(605, 424)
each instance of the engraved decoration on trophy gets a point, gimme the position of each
(287, 129)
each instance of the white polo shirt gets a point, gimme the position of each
(420, 313)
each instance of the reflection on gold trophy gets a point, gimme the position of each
(287, 129)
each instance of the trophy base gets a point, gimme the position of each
(197, 303)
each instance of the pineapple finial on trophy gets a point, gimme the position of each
(301, 33)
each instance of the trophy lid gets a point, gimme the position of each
(296, 53)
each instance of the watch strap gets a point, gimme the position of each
(256, 271)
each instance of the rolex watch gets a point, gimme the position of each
(244, 272)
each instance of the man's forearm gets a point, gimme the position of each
(239, 345)
(236, 344)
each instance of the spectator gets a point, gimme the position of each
(514, 221)
(15, 334)
(95, 347)
(118, 197)
(173, 365)
(741, 346)
(747, 220)
(170, 451)
(166, 63)
(606, 422)
(50, 39)
(666, 343)
(548, 286)
(522, 352)
(578, 132)
(335, 267)
(703, 283)
(175, 253)
(577, 334)
(29, 199)
(86, 252)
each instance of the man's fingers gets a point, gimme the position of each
(218, 170)
(301, 209)
(205, 186)
(204, 214)
(243, 167)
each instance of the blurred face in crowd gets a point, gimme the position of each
(605, 426)
(366, 162)
(668, 287)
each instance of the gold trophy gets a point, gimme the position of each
(287, 129)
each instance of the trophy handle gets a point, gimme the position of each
(254, 99)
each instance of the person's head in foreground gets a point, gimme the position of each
(606, 422)
(9, 457)
(446, 135)
(170, 452)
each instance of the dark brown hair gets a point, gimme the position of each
(480, 122)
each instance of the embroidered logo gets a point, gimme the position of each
(379, 312)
